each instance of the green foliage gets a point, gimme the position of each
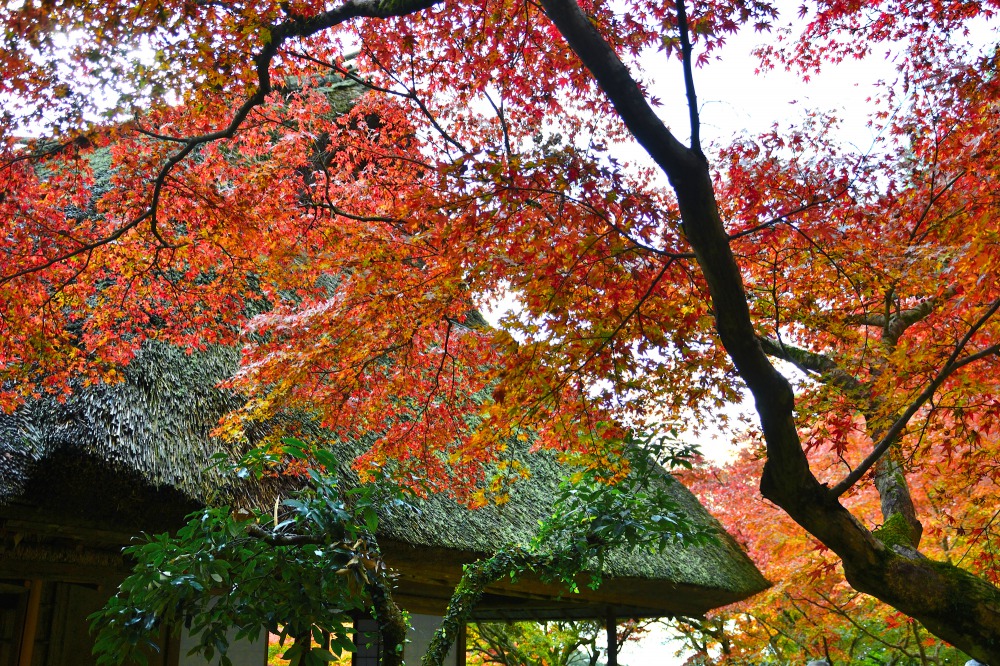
(299, 573)
(559, 643)
(592, 517)
(530, 643)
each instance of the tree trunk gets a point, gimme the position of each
(391, 624)
(952, 603)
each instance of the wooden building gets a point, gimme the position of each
(79, 479)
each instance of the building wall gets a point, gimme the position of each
(419, 638)
(44, 623)
(71, 642)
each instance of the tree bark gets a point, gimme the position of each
(391, 626)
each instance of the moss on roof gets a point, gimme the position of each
(443, 522)
(155, 423)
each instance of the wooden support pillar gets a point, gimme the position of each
(460, 645)
(611, 627)
(30, 629)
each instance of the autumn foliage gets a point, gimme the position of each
(811, 612)
(184, 171)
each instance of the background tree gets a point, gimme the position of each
(482, 166)
(560, 643)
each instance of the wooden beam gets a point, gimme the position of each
(434, 566)
(30, 622)
(80, 532)
(20, 515)
(65, 572)
(461, 644)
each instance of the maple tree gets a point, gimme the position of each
(811, 612)
(195, 184)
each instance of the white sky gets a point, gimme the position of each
(733, 99)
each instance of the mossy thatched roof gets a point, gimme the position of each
(153, 430)
(444, 523)
(154, 424)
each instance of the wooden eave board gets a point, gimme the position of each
(427, 576)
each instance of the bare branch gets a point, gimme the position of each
(156, 135)
(782, 218)
(81, 250)
(50, 151)
(953, 364)
(273, 539)
(498, 110)
(692, 97)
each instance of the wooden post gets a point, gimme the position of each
(460, 645)
(611, 627)
(30, 623)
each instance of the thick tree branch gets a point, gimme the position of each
(889, 474)
(306, 27)
(890, 479)
(689, 176)
(900, 322)
(811, 363)
(895, 325)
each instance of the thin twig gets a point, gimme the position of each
(692, 97)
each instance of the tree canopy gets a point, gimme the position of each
(178, 171)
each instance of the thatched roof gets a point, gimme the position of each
(153, 425)
(137, 454)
